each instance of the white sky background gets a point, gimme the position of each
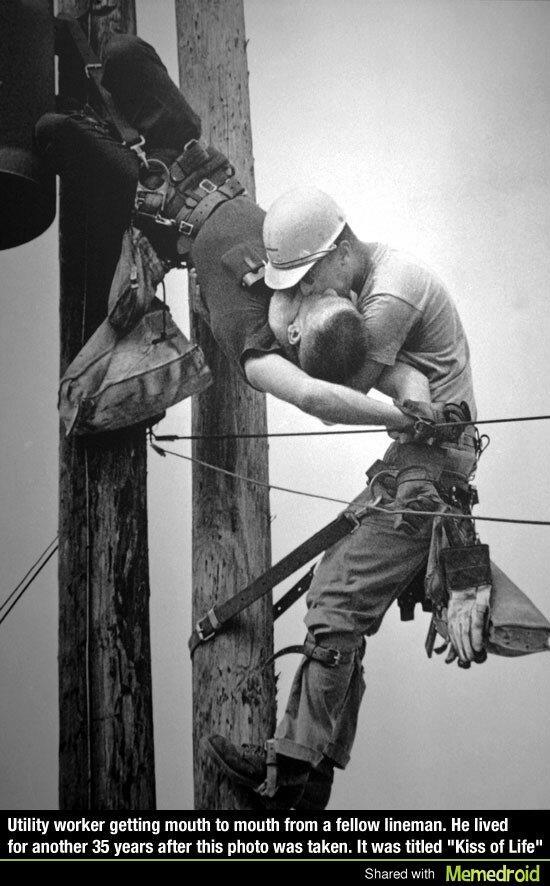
(429, 121)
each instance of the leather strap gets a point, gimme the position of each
(328, 656)
(208, 626)
(268, 788)
(93, 70)
(296, 591)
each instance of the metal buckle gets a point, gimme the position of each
(139, 152)
(353, 518)
(208, 186)
(185, 228)
(161, 220)
(88, 68)
(337, 658)
(207, 632)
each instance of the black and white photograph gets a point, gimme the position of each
(275, 505)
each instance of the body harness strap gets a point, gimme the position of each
(208, 626)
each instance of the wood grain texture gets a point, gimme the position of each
(231, 534)
(106, 727)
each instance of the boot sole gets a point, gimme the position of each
(232, 774)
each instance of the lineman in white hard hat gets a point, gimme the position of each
(409, 320)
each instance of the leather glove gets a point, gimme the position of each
(466, 623)
(428, 417)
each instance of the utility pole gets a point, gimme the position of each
(231, 526)
(106, 726)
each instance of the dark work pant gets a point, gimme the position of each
(100, 172)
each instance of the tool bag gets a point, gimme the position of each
(138, 363)
(515, 626)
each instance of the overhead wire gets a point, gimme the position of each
(171, 438)
(245, 479)
(32, 573)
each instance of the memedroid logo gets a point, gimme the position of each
(504, 874)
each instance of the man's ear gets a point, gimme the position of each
(294, 333)
(344, 250)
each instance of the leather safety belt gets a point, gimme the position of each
(210, 624)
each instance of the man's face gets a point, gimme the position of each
(333, 271)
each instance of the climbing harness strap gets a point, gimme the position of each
(296, 591)
(268, 788)
(326, 655)
(198, 181)
(208, 626)
(92, 67)
(185, 203)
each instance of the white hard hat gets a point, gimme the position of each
(300, 227)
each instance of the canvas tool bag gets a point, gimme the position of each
(138, 363)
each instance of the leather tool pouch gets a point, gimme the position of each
(466, 567)
(516, 626)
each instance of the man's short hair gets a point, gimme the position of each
(335, 349)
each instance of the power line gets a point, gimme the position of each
(341, 501)
(170, 438)
(27, 573)
(206, 464)
(33, 572)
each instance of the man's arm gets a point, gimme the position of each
(329, 402)
(400, 381)
(403, 382)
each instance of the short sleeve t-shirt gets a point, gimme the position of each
(409, 313)
(238, 316)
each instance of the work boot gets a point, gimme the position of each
(247, 765)
(318, 788)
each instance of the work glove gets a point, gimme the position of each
(439, 422)
(467, 614)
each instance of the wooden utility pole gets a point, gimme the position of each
(231, 527)
(106, 725)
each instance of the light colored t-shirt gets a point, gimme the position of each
(409, 313)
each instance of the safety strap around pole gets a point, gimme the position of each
(93, 69)
(296, 591)
(210, 624)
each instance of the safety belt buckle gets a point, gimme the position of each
(208, 186)
(206, 626)
(185, 228)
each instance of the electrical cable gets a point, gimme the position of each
(27, 573)
(206, 464)
(170, 438)
(34, 575)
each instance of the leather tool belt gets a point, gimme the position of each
(185, 194)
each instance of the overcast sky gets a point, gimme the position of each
(429, 121)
